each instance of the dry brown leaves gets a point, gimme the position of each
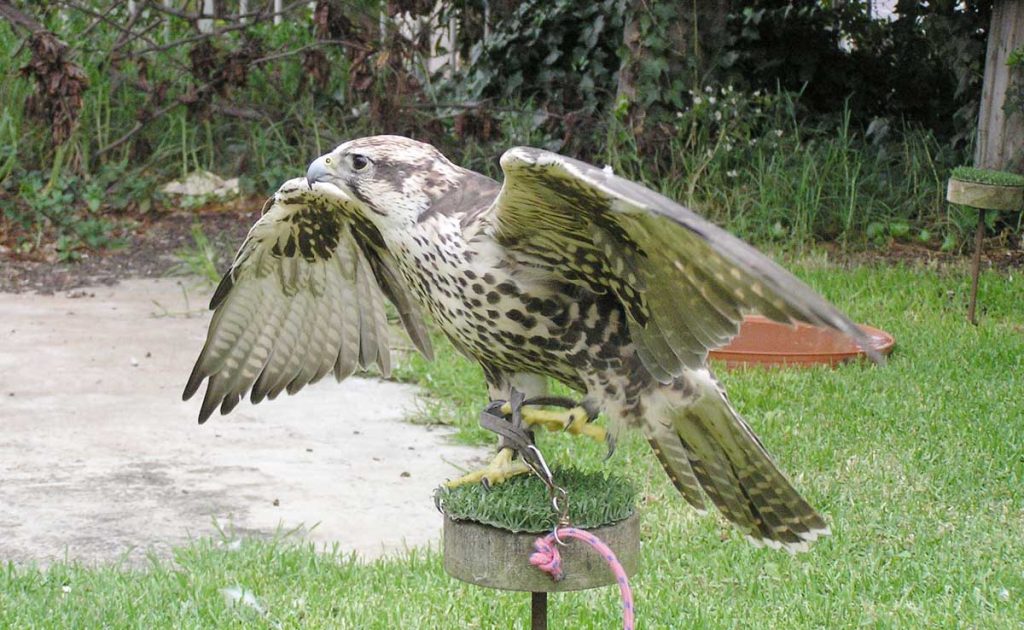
(217, 71)
(316, 67)
(60, 83)
(476, 124)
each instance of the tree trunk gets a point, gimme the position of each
(695, 37)
(626, 97)
(1001, 133)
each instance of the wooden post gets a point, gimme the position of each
(979, 237)
(497, 558)
(204, 23)
(498, 555)
(539, 611)
(1001, 135)
(983, 197)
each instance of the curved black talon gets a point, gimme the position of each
(610, 441)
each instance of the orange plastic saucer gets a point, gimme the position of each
(763, 342)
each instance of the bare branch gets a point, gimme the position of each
(260, 17)
(19, 19)
(319, 44)
(140, 125)
(127, 35)
(97, 20)
(484, 106)
(245, 113)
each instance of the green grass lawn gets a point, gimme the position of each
(918, 465)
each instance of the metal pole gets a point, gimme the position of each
(539, 611)
(979, 235)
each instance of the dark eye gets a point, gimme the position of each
(360, 162)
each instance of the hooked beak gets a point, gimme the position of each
(330, 185)
(317, 171)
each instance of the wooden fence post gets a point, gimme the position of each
(1001, 135)
(205, 24)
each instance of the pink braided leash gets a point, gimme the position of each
(547, 559)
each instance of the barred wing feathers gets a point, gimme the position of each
(303, 298)
(685, 282)
(685, 285)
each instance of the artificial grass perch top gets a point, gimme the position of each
(521, 504)
(987, 176)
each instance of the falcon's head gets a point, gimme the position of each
(393, 179)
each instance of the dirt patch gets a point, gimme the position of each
(150, 252)
(995, 255)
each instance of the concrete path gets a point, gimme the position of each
(100, 459)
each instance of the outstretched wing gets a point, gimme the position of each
(684, 282)
(304, 297)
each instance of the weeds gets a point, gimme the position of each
(65, 210)
(751, 161)
(746, 160)
(199, 259)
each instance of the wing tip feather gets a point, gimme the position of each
(227, 282)
(804, 539)
(427, 350)
(210, 403)
(195, 379)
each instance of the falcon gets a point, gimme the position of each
(564, 271)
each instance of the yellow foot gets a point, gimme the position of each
(575, 421)
(502, 468)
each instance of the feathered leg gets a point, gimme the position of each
(505, 463)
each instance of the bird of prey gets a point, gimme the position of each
(564, 271)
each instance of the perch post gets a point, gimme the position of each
(489, 535)
(539, 611)
(979, 239)
(983, 189)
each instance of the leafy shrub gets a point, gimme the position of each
(74, 212)
(560, 55)
(924, 66)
